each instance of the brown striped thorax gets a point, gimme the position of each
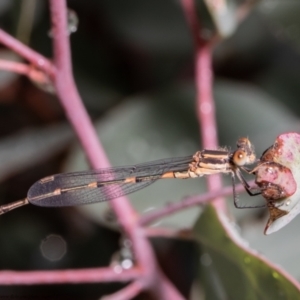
(207, 162)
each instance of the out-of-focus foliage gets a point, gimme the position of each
(228, 270)
(133, 63)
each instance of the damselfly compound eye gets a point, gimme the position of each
(244, 145)
(240, 158)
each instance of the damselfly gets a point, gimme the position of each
(93, 186)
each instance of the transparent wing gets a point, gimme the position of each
(78, 188)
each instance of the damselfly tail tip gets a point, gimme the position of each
(10, 206)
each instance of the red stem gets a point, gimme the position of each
(75, 110)
(34, 57)
(16, 67)
(204, 88)
(67, 276)
(78, 117)
(153, 280)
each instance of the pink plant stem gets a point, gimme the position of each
(206, 112)
(78, 117)
(204, 87)
(67, 276)
(32, 73)
(13, 66)
(32, 56)
(74, 108)
(154, 281)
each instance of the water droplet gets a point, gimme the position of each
(53, 247)
(247, 260)
(275, 275)
(270, 170)
(205, 260)
(73, 21)
(127, 243)
(127, 264)
(123, 259)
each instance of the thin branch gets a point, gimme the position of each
(204, 86)
(206, 111)
(13, 66)
(24, 51)
(77, 115)
(74, 108)
(67, 276)
(34, 74)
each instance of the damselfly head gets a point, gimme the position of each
(245, 154)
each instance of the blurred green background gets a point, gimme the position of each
(134, 66)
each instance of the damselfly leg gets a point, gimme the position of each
(244, 155)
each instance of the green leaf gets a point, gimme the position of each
(229, 270)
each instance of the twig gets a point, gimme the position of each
(34, 74)
(204, 86)
(32, 56)
(16, 67)
(74, 108)
(67, 276)
(77, 115)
